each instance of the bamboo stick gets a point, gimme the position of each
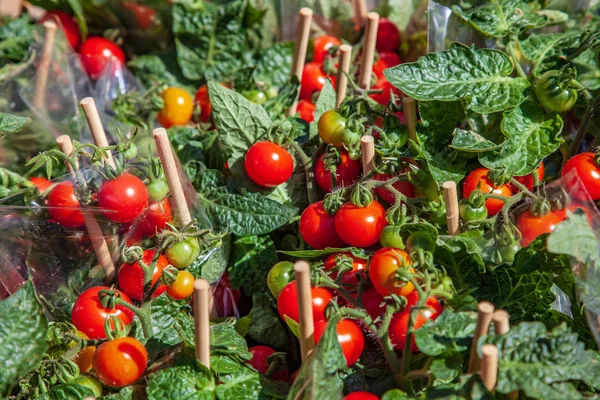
(368, 50)
(489, 366)
(360, 11)
(501, 322)
(95, 123)
(410, 113)
(202, 321)
(41, 81)
(367, 146)
(485, 311)
(343, 71)
(302, 35)
(452, 215)
(307, 325)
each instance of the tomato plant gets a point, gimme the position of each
(346, 173)
(120, 362)
(331, 127)
(268, 164)
(400, 321)
(383, 267)
(350, 337)
(359, 265)
(321, 46)
(317, 227)
(156, 217)
(404, 187)
(584, 165)
(420, 240)
(287, 302)
(527, 180)
(88, 314)
(306, 109)
(183, 287)
(177, 109)
(388, 36)
(260, 354)
(471, 212)
(131, 275)
(123, 198)
(183, 253)
(390, 237)
(479, 178)
(279, 276)
(89, 382)
(97, 53)
(64, 207)
(68, 25)
(531, 226)
(360, 226)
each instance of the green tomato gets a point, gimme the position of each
(468, 212)
(331, 127)
(256, 96)
(390, 237)
(131, 152)
(397, 136)
(552, 95)
(157, 189)
(272, 92)
(420, 240)
(183, 254)
(507, 252)
(89, 382)
(279, 276)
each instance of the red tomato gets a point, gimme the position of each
(349, 335)
(361, 396)
(177, 109)
(388, 36)
(268, 164)
(259, 362)
(42, 184)
(226, 299)
(399, 322)
(63, 206)
(321, 45)
(532, 226)
(527, 180)
(479, 176)
(67, 23)
(360, 226)
(203, 101)
(386, 60)
(88, 315)
(373, 303)
(131, 275)
(287, 302)
(156, 217)
(347, 172)
(405, 187)
(313, 80)
(144, 15)
(120, 362)
(123, 198)
(349, 278)
(306, 109)
(97, 53)
(588, 172)
(387, 88)
(382, 271)
(318, 228)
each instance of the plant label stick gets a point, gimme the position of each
(41, 81)
(307, 325)
(172, 174)
(410, 113)
(367, 146)
(342, 76)
(489, 366)
(485, 311)
(370, 40)
(451, 199)
(300, 49)
(501, 322)
(95, 123)
(202, 321)
(360, 11)
(95, 232)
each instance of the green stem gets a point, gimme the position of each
(587, 118)
(523, 188)
(308, 170)
(513, 55)
(143, 313)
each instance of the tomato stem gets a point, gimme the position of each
(308, 170)
(143, 313)
(513, 56)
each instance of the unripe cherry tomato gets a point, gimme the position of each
(306, 109)
(268, 164)
(183, 253)
(67, 23)
(532, 226)
(259, 362)
(123, 199)
(588, 171)
(287, 302)
(360, 226)
(349, 335)
(321, 46)
(183, 287)
(479, 177)
(347, 172)
(131, 275)
(88, 315)
(317, 228)
(361, 396)
(527, 180)
(64, 207)
(313, 80)
(177, 109)
(120, 362)
(97, 53)
(388, 36)
(554, 96)
(404, 187)
(331, 127)
(279, 276)
(349, 277)
(382, 272)
(469, 212)
(399, 323)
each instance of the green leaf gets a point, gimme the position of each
(326, 101)
(545, 51)
(479, 77)
(395, 394)
(169, 317)
(211, 265)
(450, 332)
(242, 384)
(185, 382)
(574, 237)
(441, 168)
(498, 18)
(12, 123)
(322, 253)
(242, 325)
(469, 387)
(159, 69)
(275, 64)
(438, 121)
(240, 122)
(472, 142)
(448, 368)
(293, 325)
(23, 329)
(531, 135)
(224, 340)
(266, 326)
(67, 391)
(251, 259)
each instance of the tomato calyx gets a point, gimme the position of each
(277, 364)
(333, 202)
(114, 328)
(540, 208)
(169, 275)
(498, 177)
(361, 196)
(397, 214)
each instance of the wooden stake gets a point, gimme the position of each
(202, 321)
(93, 119)
(489, 366)
(485, 311)
(343, 70)
(95, 232)
(11, 8)
(451, 199)
(172, 174)
(360, 11)
(300, 50)
(369, 42)
(410, 113)
(367, 146)
(501, 322)
(41, 80)
(307, 325)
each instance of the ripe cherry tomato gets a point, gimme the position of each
(83, 359)
(120, 362)
(123, 198)
(361, 396)
(373, 303)
(259, 362)
(349, 335)
(63, 206)
(268, 164)
(279, 276)
(313, 80)
(306, 109)
(532, 226)
(156, 217)
(527, 180)
(388, 36)
(318, 228)
(183, 287)
(331, 127)
(287, 302)
(145, 16)
(479, 177)
(131, 275)
(202, 99)
(386, 60)
(183, 253)
(382, 272)
(67, 23)
(321, 46)
(588, 171)
(177, 109)
(349, 277)
(347, 172)
(387, 89)
(42, 184)
(404, 187)
(553, 94)
(360, 226)
(97, 53)
(399, 324)
(88, 315)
